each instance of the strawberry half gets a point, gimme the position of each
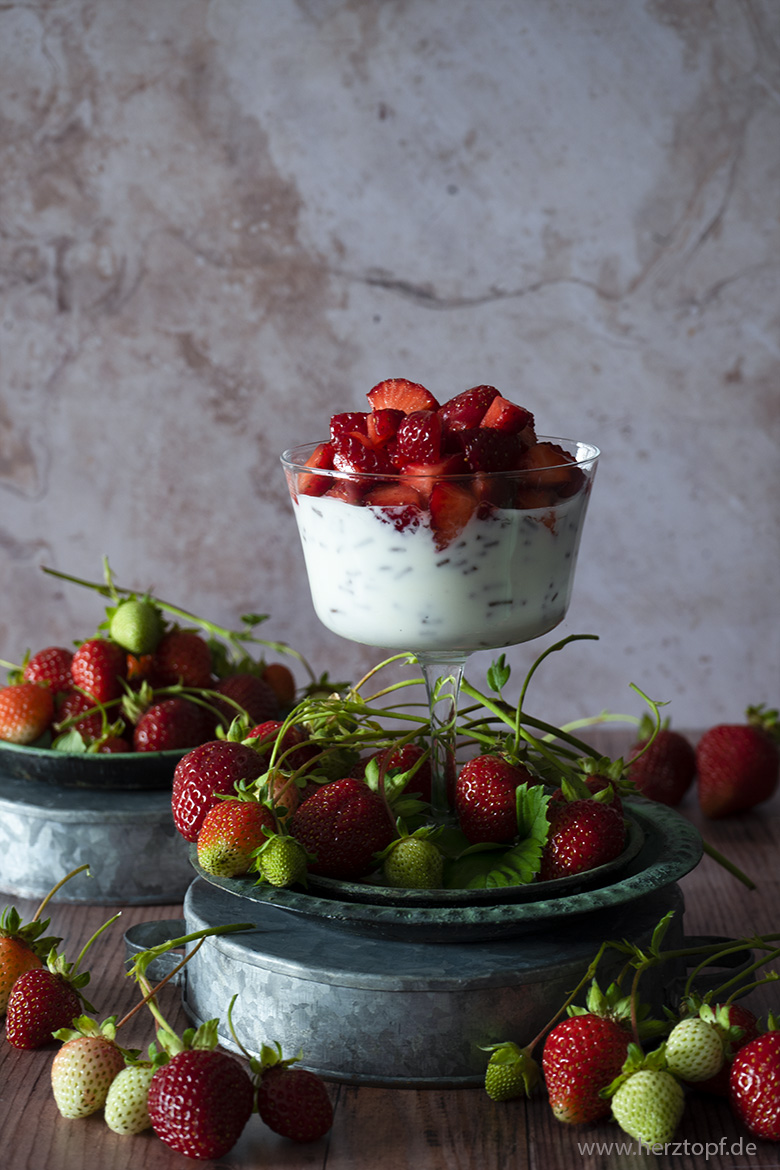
(316, 485)
(466, 411)
(451, 506)
(503, 415)
(401, 394)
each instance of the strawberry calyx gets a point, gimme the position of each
(90, 1028)
(30, 933)
(637, 1060)
(614, 1004)
(765, 720)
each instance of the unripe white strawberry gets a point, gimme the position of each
(694, 1050)
(648, 1106)
(82, 1072)
(126, 1109)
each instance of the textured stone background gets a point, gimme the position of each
(222, 220)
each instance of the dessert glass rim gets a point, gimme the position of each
(294, 459)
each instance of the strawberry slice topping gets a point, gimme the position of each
(316, 485)
(349, 422)
(401, 500)
(451, 506)
(504, 415)
(382, 426)
(465, 411)
(419, 438)
(488, 450)
(401, 394)
(355, 452)
(554, 468)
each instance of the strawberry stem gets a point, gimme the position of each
(54, 890)
(90, 941)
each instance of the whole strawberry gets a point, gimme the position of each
(170, 725)
(343, 825)
(282, 861)
(289, 752)
(666, 769)
(231, 832)
(647, 1100)
(414, 862)
(52, 666)
(99, 666)
(485, 799)
(78, 712)
(22, 948)
(26, 711)
(182, 656)
(248, 693)
(282, 681)
(754, 1085)
(136, 625)
(209, 771)
(511, 1072)
(126, 1109)
(293, 1102)
(84, 1068)
(738, 764)
(583, 834)
(42, 1001)
(582, 1055)
(403, 759)
(200, 1101)
(694, 1049)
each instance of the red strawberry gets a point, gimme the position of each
(489, 450)
(72, 706)
(485, 800)
(754, 1086)
(21, 949)
(382, 426)
(113, 745)
(400, 394)
(666, 770)
(418, 439)
(347, 423)
(294, 1103)
(451, 506)
(403, 759)
(199, 1102)
(182, 656)
(99, 666)
(582, 1055)
(343, 824)
(465, 412)
(51, 666)
(423, 476)
(281, 680)
(26, 711)
(231, 832)
(170, 725)
(41, 1001)
(208, 771)
(739, 1017)
(552, 468)
(583, 834)
(316, 485)
(355, 452)
(254, 695)
(403, 500)
(504, 415)
(738, 764)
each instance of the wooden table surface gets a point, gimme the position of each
(390, 1129)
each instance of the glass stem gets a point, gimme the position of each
(443, 674)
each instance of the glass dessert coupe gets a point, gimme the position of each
(483, 562)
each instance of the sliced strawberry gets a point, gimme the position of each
(527, 497)
(489, 450)
(382, 426)
(351, 491)
(354, 452)
(349, 422)
(465, 411)
(317, 485)
(402, 498)
(553, 467)
(425, 475)
(504, 415)
(451, 506)
(401, 394)
(419, 438)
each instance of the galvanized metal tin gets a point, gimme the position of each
(384, 1011)
(127, 838)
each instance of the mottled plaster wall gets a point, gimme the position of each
(222, 220)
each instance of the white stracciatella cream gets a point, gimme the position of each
(506, 579)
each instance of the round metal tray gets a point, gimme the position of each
(120, 770)
(670, 847)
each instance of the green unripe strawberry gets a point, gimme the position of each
(648, 1106)
(511, 1072)
(413, 863)
(136, 625)
(694, 1050)
(282, 862)
(126, 1109)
